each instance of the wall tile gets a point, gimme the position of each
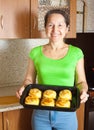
(14, 59)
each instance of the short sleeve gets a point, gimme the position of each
(34, 52)
(80, 53)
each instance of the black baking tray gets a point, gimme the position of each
(75, 102)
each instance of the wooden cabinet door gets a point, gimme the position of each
(80, 117)
(1, 122)
(35, 33)
(14, 18)
(17, 119)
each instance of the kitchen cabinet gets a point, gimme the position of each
(1, 125)
(19, 19)
(21, 119)
(35, 33)
(80, 117)
(16, 119)
(14, 19)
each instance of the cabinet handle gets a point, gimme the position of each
(2, 21)
(7, 124)
(34, 26)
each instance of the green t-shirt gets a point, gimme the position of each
(56, 71)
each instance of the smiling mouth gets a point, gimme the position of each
(54, 35)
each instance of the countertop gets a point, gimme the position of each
(8, 103)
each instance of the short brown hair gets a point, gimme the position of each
(58, 11)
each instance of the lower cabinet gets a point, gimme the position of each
(21, 119)
(1, 122)
(16, 120)
(80, 117)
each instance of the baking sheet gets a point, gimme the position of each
(75, 102)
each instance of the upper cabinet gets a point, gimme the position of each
(14, 19)
(22, 18)
(39, 9)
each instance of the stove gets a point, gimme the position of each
(89, 111)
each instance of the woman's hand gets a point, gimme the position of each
(20, 91)
(84, 97)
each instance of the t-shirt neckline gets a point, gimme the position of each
(41, 49)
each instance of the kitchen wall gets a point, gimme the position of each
(14, 60)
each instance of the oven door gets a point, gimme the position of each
(89, 111)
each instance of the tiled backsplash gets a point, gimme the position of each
(14, 59)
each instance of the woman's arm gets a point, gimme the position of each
(30, 77)
(81, 82)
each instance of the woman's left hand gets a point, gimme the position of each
(84, 97)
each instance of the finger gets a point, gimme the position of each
(84, 99)
(17, 94)
(84, 94)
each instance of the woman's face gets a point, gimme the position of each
(56, 28)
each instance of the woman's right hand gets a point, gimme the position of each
(20, 91)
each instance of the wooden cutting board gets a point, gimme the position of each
(8, 100)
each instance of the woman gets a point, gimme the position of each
(56, 63)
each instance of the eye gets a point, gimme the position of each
(49, 25)
(60, 25)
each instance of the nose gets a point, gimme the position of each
(55, 28)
